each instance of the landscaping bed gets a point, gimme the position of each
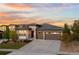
(4, 52)
(71, 47)
(14, 45)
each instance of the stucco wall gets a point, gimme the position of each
(22, 34)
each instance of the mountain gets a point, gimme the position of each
(61, 23)
(9, 20)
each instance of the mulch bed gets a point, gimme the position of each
(70, 47)
(13, 45)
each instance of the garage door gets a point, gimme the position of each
(39, 35)
(52, 36)
(48, 35)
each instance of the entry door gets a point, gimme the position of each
(32, 34)
(0, 35)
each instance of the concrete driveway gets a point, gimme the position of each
(39, 47)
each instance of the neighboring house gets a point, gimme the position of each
(12, 27)
(36, 31)
(3, 28)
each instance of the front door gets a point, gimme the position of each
(0, 35)
(32, 34)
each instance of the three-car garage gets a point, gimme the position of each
(48, 35)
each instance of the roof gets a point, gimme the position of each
(49, 27)
(39, 27)
(12, 25)
(22, 27)
(33, 24)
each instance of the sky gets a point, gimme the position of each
(9, 12)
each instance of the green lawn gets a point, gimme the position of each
(4, 52)
(15, 45)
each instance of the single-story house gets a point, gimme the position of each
(34, 31)
(38, 31)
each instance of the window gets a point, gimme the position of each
(55, 33)
(47, 33)
(39, 32)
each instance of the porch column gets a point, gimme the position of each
(35, 33)
(43, 35)
(27, 34)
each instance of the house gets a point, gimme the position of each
(12, 27)
(36, 31)
(49, 32)
(3, 28)
(22, 31)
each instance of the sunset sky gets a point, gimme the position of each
(17, 13)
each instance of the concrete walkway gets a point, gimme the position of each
(68, 53)
(7, 49)
(39, 47)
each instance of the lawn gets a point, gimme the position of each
(15, 45)
(4, 52)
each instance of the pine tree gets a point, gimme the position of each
(66, 29)
(66, 35)
(75, 30)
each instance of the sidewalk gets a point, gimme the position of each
(68, 53)
(7, 49)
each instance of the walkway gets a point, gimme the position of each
(7, 49)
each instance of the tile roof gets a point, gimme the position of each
(39, 27)
(49, 27)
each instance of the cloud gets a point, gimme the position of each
(19, 13)
(18, 6)
(3, 14)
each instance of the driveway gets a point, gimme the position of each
(39, 47)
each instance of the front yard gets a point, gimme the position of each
(13, 45)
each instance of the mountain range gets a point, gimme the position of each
(9, 20)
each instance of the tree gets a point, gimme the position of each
(66, 29)
(66, 35)
(75, 30)
(6, 33)
(13, 35)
